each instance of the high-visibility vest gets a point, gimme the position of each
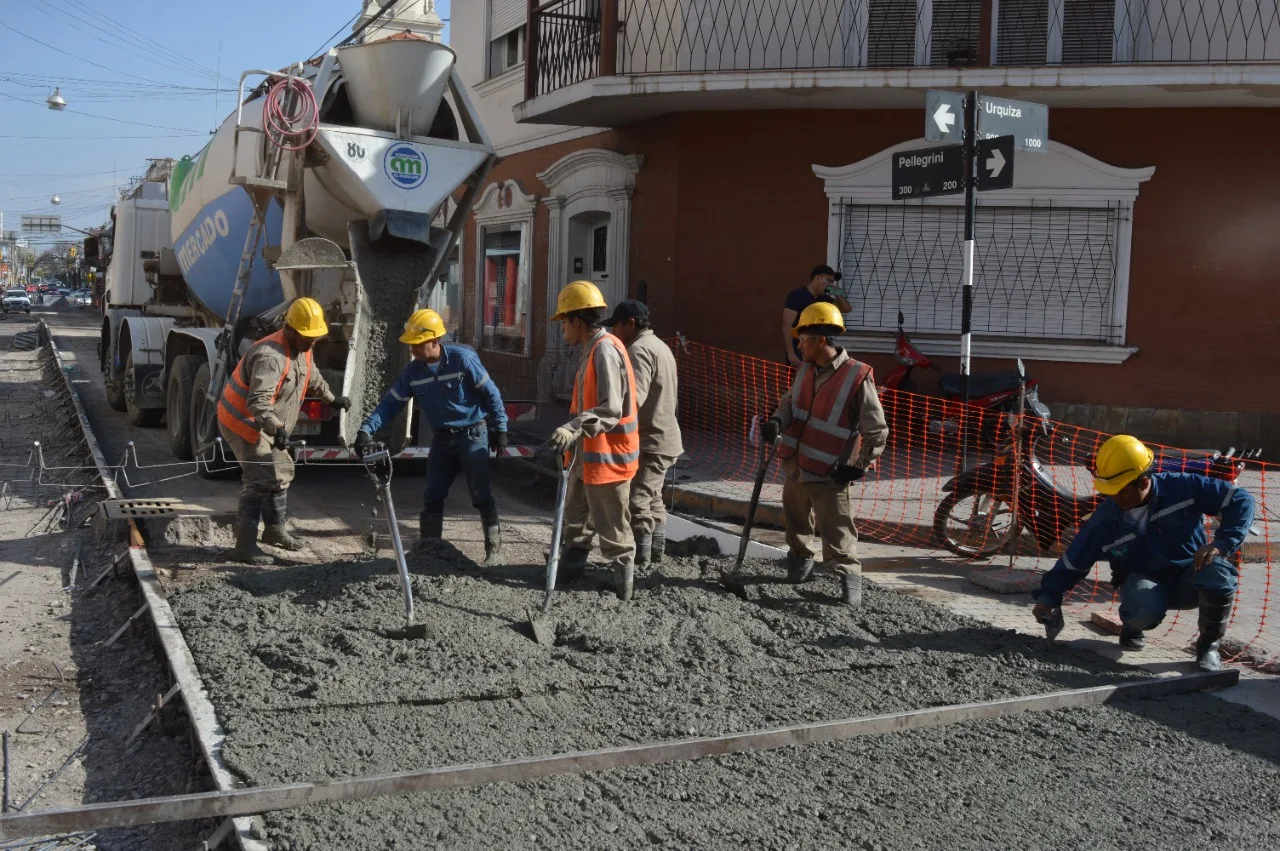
(233, 407)
(613, 455)
(821, 429)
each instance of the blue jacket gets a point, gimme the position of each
(453, 392)
(1175, 530)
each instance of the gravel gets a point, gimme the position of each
(308, 687)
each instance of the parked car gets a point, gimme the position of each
(83, 298)
(65, 291)
(17, 299)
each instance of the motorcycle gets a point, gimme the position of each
(977, 517)
(988, 391)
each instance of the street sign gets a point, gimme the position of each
(1027, 123)
(42, 224)
(943, 116)
(926, 172)
(995, 163)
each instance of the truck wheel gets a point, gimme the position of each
(144, 417)
(203, 429)
(182, 374)
(115, 389)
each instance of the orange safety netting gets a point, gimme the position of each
(910, 498)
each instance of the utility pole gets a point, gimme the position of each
(970, 211)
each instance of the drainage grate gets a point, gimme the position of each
(123, 509)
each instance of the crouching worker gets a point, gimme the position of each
(605, 430)
(1152, 532)
(451, 388)
(258, 409)
(829, 428)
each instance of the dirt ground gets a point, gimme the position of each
(68, 702)
(300, 655)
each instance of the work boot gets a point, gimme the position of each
(799, 568)
(624, 576)
(644, 548)
(1215, 611)
(275, 513)
(573, 563)
(492, 541)
(851, 590)
(246, 550)
(430, 527)
(1132, 639)
(658, 548)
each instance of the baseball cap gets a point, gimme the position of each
(629, 309)
(824, 270)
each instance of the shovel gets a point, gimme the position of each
(371, 462)
(733, 580)
(544, 628)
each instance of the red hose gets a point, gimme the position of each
(291, 128)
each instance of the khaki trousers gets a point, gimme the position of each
(647, 508)
(599, 510)
(263, 468)
(829, 503)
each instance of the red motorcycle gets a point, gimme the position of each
(996, 392)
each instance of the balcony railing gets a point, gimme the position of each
(574, 40)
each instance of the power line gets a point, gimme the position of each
(73, 56)
(51, 79)
(188, 135)
(103, 117)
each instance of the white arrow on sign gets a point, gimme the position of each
(944, 118)
(995, 162)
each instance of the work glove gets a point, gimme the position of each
(342, 403)
(770, 430)
(363, 444)
(562, 438)
(498, 441)
(843, 474)
(282, 439)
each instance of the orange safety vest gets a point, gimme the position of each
(233, 407)
(821, 429)
(613, 455)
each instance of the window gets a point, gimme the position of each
(504, 238)
(505, 290)
(506, 52)
(1052, 32)
(1051, 262)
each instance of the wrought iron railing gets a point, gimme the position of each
(578, 39)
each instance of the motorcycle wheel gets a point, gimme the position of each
(977, 525)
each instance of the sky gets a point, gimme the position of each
(143, 78)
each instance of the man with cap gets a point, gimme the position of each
(1152, 531)
(451, 388)
(820, 289)
(604, 434)
(656, 393)
(258, 408)
(829, 429)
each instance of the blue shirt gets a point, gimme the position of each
(1165, 547)
(453, 392)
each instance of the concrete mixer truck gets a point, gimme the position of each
(334, 179)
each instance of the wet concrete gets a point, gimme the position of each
(309, 687)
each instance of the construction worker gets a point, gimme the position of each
(451, 388)
(604, 430)
(1152, 532)
(258, 408)
(829, 428)
(656, 391)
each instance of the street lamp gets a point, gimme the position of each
(55, 200)
(56, 101)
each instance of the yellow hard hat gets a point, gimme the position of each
(422, 326)
(819, 313)
(578, 296)
(1121, 459)
(307, 318)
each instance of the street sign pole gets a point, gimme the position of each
(970, 209)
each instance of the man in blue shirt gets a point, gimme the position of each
(821, 287)
(1152, 532)
(454, 392)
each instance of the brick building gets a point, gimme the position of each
(1132, 265)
